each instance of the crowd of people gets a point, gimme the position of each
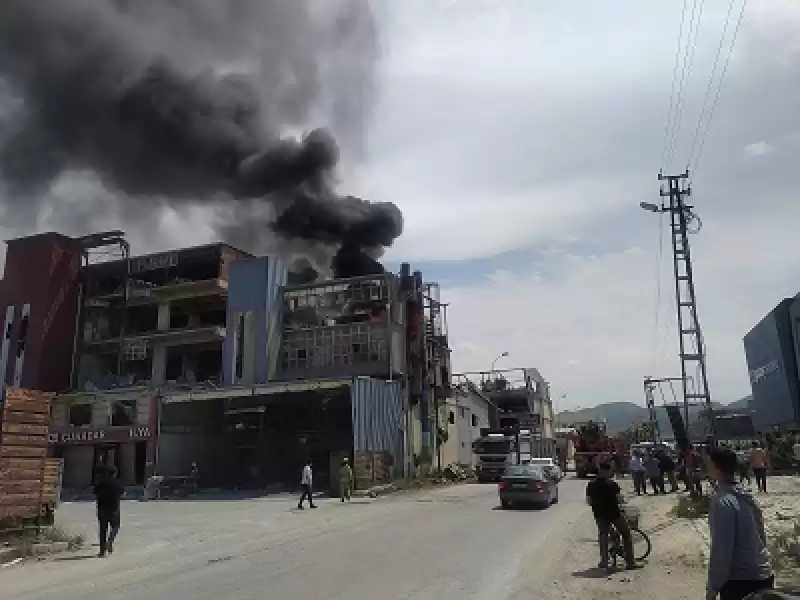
(660, 467)
(739, 564)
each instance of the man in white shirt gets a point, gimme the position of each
(638, 474)
(306, 482)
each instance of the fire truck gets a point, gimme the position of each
(593, 445)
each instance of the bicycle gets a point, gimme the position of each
(642, 546)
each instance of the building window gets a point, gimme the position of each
(239, 345)
(452, 418)
(462, 412)
(123, 413)
(474, 420)
(80, 415)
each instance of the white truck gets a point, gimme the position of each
(497, 449)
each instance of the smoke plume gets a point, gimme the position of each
(189, 101)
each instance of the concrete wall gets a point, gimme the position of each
(470, 414)
(254, 294)
(772, 364)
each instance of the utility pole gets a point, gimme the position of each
(651, 409)
(690, 336)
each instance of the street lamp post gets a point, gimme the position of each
(503, 355)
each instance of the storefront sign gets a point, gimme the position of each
(96, 436)
(154, 262)
(756, 375)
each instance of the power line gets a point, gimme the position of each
(707, 94)
(681, 86)
(686, 75)
(656, 322)
(674, 81)
(719, 86)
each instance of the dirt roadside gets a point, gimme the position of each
(676, 568)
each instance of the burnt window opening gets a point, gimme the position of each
(452, 418)
(178, 320)
(173, 370)
(213, 317)
(80, 415)
(123, 413)
(474, 420)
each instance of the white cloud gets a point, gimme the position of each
(506, 126)
(588, 324)
(758, 149)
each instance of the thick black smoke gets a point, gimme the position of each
(97, 98)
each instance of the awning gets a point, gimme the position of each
(258, 390)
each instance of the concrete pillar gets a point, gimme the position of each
(158, 373)
(162, 323)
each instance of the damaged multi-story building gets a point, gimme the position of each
(216, 357)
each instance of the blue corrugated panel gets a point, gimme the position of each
(377, 413)
(277, 280)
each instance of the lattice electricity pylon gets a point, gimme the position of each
(692, 350)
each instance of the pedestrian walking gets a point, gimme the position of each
(345, 480)
(605, 497)
(108, 492)
(195, 477)
(654, 474)
(739, 563)
(307, 483)
(759, 462)
(638, 474)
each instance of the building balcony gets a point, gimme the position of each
(169, 337)
(346, 350)
(179, 290)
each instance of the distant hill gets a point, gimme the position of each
(620, 416)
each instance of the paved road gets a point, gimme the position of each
(448, 544)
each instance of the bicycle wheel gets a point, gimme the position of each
(641, 544)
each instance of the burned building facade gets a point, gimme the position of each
(209, 355)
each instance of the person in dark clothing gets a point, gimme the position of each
(667, 466)
(108, 492)
(694, 473)
(739, 563)
(743, 467)
(654, 474)
(604, 496)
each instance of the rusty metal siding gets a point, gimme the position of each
(53, 298)
(377, 412)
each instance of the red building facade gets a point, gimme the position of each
(38, 305)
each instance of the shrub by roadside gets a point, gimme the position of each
(688, 507)
(27, 543)
(780, 506)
